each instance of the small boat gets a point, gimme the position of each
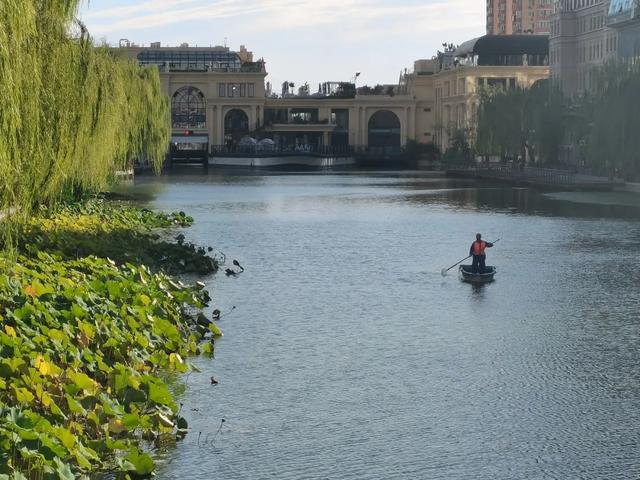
(467, 275)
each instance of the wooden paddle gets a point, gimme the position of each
(445, 270)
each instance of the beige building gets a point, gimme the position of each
(485, 62)
(587, 33)
(509, 17)
(579, 41)
(221, 104)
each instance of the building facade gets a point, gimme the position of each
(579, 42)
(219, 100)
(516, 61)
(585, 34)
(509, 17)
(624, 19)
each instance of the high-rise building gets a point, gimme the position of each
(499, 17)
(535, 16)
(508, 17)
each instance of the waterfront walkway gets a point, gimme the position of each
(533, 176)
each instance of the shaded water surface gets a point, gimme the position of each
(350, 357)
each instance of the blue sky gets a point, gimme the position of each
(301, 40)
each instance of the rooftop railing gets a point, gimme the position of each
(203, 68)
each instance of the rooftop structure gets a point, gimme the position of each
(186, 58)
(513, 50)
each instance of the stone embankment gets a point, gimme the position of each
(536, 177)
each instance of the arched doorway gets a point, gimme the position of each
(188, 108)
(384, 131)
(236, 126)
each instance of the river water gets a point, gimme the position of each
(349, 356)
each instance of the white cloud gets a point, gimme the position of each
(269, 15)
(314, 40)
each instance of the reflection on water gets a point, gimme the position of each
(349, 356)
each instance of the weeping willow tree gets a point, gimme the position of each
(522, 122)
(501, 123)
(71, 113)
(611, 110)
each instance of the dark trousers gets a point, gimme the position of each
(478, 263)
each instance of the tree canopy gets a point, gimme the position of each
(521, 122)
(71, 113)
(601, 125)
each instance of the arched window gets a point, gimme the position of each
(188, 109)
(236, 125)
(384, 131)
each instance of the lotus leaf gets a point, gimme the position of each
(84, 339)
(142, 463)
(82, 381)
(63, 470)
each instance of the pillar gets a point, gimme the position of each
(253, 118)
(405, 122)
(353, 126)
(211, 125)
(364, 140)
(325, 139)
(219, 128)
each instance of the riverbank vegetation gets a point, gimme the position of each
(71, 113)
(90, 320)
(85, 340)
(595, 130)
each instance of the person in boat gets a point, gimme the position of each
(477, 250)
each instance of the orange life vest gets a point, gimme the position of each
(479, 247)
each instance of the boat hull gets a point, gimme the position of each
(467, 275)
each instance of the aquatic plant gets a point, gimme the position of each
(114, 230)
(81, 345)
(71, 113)
(85, 341)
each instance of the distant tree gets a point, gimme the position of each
(460, 149)
(345, 90)
(611, 114)
(548, 112)
(525, 123)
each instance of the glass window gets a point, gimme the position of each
(188, 108)
(191, 61)
(234, 90)
(251, 90)
(222, 90)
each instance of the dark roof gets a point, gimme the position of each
(505, 45)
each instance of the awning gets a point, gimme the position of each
(504, 45)
(190, 139)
